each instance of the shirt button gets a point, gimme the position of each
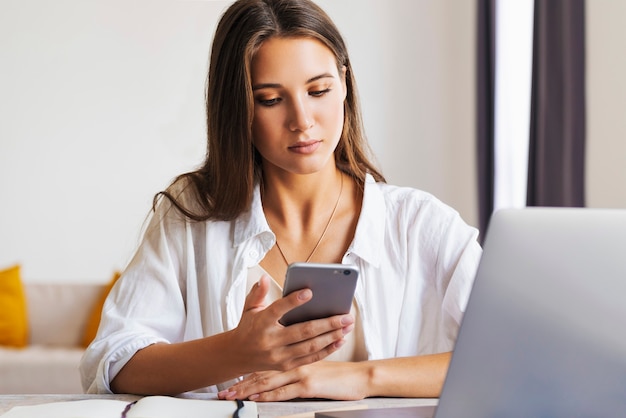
(253, 254)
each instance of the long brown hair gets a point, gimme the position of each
(223, 186)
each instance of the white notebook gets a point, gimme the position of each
(147, 407)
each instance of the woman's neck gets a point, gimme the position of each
(300, 198)
(313, 219)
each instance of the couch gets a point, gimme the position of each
(58, 315)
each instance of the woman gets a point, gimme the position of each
(286, 178)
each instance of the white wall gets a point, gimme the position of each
(606, 104)
(102, 105)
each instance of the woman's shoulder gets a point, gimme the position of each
(182, 193)
(424, 214)
(409, 207)
(412, 199)
(183, 190)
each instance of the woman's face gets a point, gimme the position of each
(298, 104)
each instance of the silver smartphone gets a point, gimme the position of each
(332, 285)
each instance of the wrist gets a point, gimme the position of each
(371, 377)
(382, 378)
(234, 354)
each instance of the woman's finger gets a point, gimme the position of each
(263, 383)
(256, 297)
(289, 302)
(337, 325)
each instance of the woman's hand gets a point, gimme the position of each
(409, 377)
(325, 379)
(262, 343)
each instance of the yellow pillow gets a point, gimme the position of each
(93, 322)
(13, 316)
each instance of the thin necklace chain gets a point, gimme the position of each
(332, 215)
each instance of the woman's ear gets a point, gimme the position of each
(344, 84)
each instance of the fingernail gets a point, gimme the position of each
(305, 294)
(253, 397)
(347, 320)
(339, 343)
(226, 394)
(347, 329)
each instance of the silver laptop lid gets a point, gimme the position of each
(544, 334)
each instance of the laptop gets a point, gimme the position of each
(544, 333)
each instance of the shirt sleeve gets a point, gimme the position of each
(459, 256)
(146, 305)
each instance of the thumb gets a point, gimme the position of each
(256, 297)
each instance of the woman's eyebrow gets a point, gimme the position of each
(266, 86)
(317, 77)
(277, 85)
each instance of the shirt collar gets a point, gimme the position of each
(369, 234)
(252, 222)
(370, 230)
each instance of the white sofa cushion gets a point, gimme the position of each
(37, 369)
(57, 313)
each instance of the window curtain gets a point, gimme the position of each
(485, 109)
(556, 165)
(557, 113)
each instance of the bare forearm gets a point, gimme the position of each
(410, 377)
(415, 377)
(259, 342)
(175, 368)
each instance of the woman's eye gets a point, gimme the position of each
(268, 102)
(319, 93)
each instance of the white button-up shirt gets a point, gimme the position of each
(187, 280)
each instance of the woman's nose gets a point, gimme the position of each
(301, 118)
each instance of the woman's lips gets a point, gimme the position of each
(306, 147)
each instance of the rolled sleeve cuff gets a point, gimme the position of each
(111, 365)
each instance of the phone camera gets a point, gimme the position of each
(346, 272)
